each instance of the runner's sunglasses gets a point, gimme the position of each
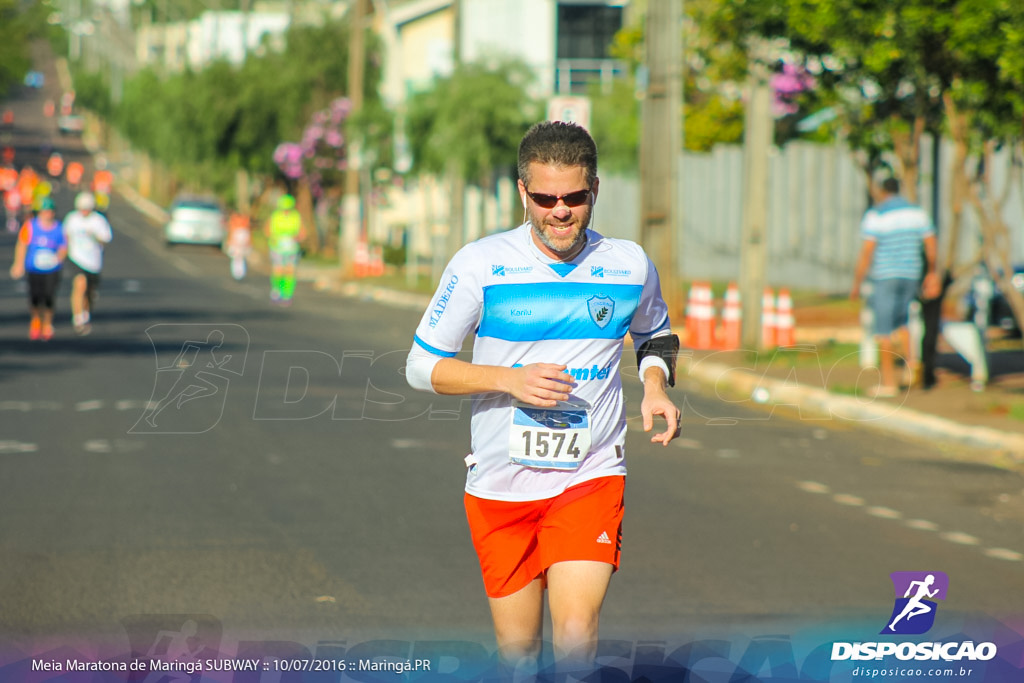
(550, 201)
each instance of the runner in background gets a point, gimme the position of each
(74, 174)
(39, 254)
(284, 231)
(239, 243)
(87, 233)
(102, 185)
(55, 168)
(12, 207)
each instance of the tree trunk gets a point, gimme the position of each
(995, 233)
(908, 150)
(304, 203)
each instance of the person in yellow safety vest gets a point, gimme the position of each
(285, 232)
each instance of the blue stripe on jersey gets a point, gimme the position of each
(558, 310)
(563, 269)
(431, 349)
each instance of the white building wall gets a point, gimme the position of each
(525, 29)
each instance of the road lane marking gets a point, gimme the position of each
(960, 538)
(98, 446)
(84, 406)
(18, 447)
(957, 537)
(847, 499)
(1004, 554)
(884, 512)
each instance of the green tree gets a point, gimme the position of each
(468, 126)
(20, 23)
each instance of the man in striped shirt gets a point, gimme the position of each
(898, 242)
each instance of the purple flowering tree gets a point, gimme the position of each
(315, 164)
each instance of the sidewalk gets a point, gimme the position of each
(823, 380)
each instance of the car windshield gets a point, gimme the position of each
(203, 205)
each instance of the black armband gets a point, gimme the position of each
(665, 348)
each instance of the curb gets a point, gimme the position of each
(876, 414)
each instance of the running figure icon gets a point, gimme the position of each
(915, 606)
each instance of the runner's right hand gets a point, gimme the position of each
(540, 384)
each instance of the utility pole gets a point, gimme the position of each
(661, 145)
(758, 130)
(352, 214)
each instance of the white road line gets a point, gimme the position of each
(98, 446)
(26, 406)
(1004, 554)
(884, 513)
(18, 447)
(813, 487)
(84, 406)
(847, 499)
(960, 538)
(691, 444)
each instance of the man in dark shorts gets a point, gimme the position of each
(39, 254)
(898, 242)
(87, 232)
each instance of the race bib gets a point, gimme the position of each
(45, 259)
(549, 438)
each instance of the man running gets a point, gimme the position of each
(284, 232)
(87, 232)
(39, 253)
(550, 303)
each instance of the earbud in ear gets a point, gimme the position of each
(524, 202)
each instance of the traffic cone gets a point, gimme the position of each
(784, 321)
(691, 320)
(704, 317)
(768, 319)
(361, 262)
(732, 319)
(377, 262)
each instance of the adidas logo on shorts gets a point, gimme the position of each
(603, 538)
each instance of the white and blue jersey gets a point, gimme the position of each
(526, 308)
(897, 227)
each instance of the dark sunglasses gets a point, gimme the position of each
(550, 201)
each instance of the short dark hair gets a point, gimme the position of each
(558, 143)
(891, 185)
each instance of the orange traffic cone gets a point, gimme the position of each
(768, 319)
(361, 262)
(732, 319)
(785, 323)
(691, 321)
(704, 317)
(377, 262)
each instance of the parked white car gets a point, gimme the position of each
(195, 220)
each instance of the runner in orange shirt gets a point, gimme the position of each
(74, 174)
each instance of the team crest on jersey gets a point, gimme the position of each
(601, 309)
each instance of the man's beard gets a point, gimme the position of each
(564, 245)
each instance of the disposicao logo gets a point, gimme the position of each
(914, 610)
(913, 613)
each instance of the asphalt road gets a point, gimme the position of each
(265, 472)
